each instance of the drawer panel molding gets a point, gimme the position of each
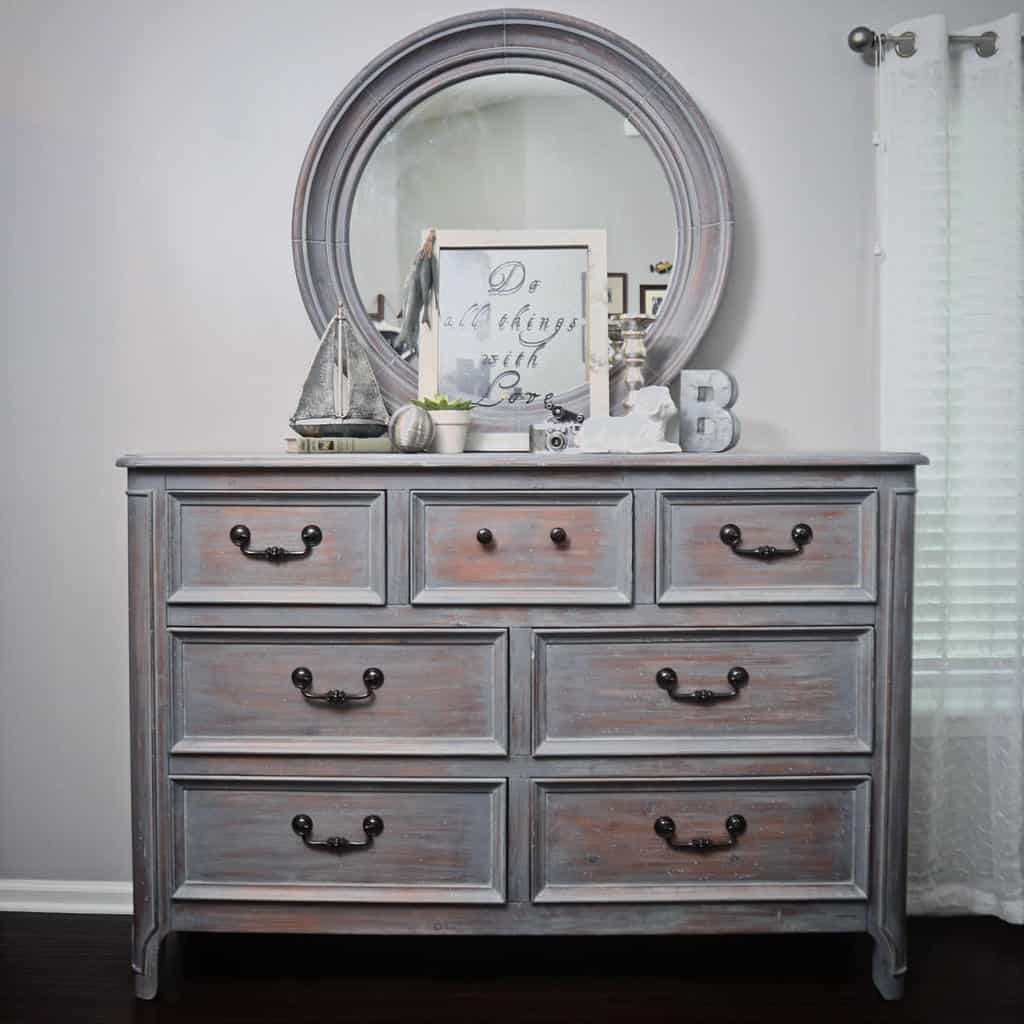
(433, 841)
(744, 839)
(513, 547)
(442, 692)
(597, 692)
(725, 547)
(346, 565)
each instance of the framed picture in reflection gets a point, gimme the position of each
(520, 317)
(651, 298)
(618, 293)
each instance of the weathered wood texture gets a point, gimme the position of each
(501, 461)
(838, 564)
(521, 563)
(520, 748)
(148, 923)
(346, 567)
(809, 691)
(445, 692)
(443, 841)
(804, 839)
(891, 777)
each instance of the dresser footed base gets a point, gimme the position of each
(159, 972)
(888, 978)
(147, 969)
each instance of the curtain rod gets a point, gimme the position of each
(863, 39)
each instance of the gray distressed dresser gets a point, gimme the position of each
(528, 694)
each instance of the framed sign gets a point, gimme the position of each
(520, 317)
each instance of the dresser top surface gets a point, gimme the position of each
(519, 460)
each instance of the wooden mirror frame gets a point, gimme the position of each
(530, 42)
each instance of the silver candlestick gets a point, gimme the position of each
(631, 349)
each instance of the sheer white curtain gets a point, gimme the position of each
(951, 249)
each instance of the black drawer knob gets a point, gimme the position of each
(484, 536)
(558, 535)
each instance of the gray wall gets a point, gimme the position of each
(149, 156)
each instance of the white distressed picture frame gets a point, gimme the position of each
(596, 243)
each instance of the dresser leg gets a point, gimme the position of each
(147, 969)
(887, 976)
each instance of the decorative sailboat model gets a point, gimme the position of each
(341, 397)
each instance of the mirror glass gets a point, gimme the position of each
(509, 152)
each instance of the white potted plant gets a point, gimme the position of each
(451, 422)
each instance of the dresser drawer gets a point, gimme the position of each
(436, 692)
(546, 547)
(219, 547)
(665, 692)
(795, 839)
(767, 546)
(441, 841)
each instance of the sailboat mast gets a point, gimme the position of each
(340, 403)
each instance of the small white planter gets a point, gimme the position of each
(451, 429)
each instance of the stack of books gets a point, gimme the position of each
(339, 445)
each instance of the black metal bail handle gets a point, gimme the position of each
(732, 537)
(302, 826)
(668, 680)
(735, 826)
(241, 535)
(373, 679)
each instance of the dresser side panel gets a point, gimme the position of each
(887, 914)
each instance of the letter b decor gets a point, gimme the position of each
(706, 422)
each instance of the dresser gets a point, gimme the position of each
(520, 694)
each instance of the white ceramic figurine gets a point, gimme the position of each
(642, 429)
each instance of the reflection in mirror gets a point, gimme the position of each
(550, 355)
(507, 152)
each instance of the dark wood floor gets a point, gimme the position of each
(67, 968)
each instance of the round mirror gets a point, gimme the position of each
(521, 153)
(524, 122)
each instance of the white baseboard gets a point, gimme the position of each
(43, 896)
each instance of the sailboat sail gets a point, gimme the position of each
(362, 398)
(341, 397)
(317, 399)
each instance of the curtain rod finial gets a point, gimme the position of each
(861, 39)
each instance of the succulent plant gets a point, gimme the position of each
(442, 402)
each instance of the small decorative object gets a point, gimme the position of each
(706, 422)
(418, 299)
(651, 298)
(618, 293)
(411, 429)
(339, 445)
(559, 432)
(519, 317)
(340, 397)
(451, 422)
(633, 351)
(661, 267)
(642, 429)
